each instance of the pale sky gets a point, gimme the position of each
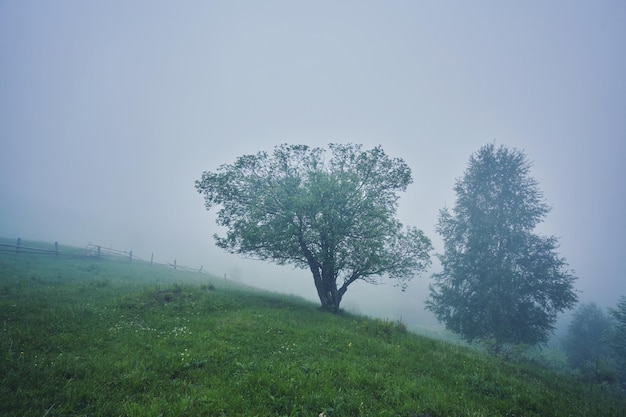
(110, 110)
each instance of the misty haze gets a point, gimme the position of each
(346, 166)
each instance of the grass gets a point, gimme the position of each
(93, 337)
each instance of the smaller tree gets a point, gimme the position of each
(585, 343)
(617, 337)
(501, 283)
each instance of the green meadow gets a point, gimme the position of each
(96, 337)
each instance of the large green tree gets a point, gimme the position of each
(500, 282)
(333, 214)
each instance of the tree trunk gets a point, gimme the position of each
(326, 286)
(331, 304)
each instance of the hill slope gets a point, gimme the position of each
(101, 338)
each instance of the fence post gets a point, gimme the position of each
(131, 257)
(200, 270)
(151, 258)
(174, 263)
(56, 249)
(17, 248)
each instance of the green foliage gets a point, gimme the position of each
(500, 282)
(585, 342)
(334, 216)
(617, 337)
(69, 346)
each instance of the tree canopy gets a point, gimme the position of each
(617, 337)
(585, 341)
(500, 282)
(334, 215)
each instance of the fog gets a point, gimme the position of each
(109, 111)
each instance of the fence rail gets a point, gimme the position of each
(94, 251)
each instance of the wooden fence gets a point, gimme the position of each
(91, 251)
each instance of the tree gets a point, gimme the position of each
(500, 283)
(585, 342)
(617, 337)
(334, 216)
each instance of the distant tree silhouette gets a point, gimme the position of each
(617, 338)
(585, 343)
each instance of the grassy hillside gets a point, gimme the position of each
(88, 337)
